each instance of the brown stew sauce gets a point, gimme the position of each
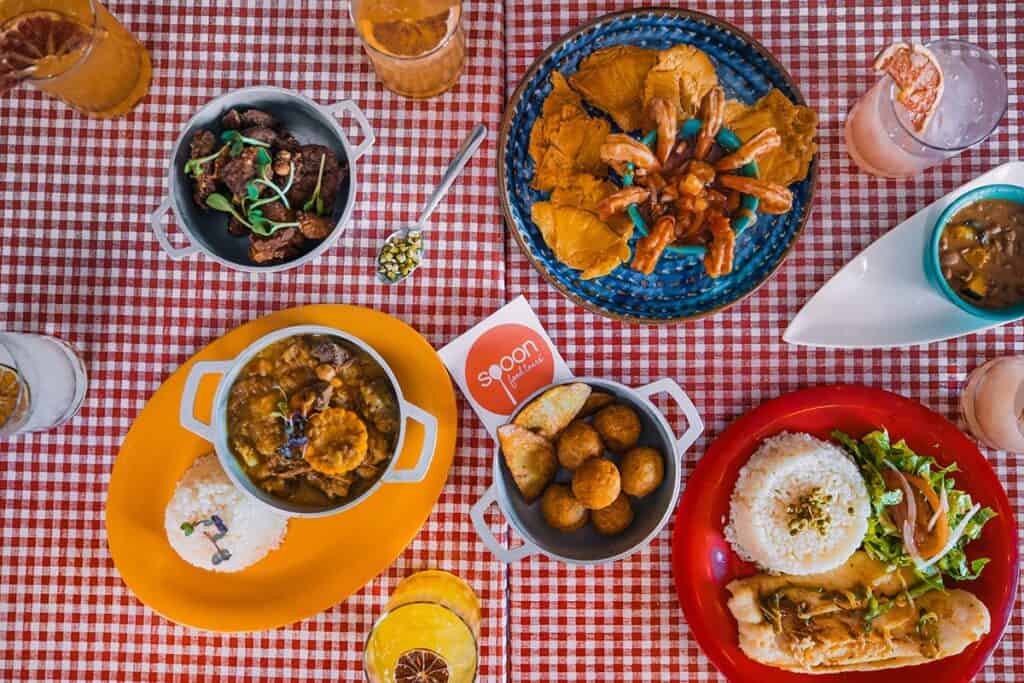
(981, 253)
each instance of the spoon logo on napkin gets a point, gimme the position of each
(506, 364)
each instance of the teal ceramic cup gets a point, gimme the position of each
(1013, 193)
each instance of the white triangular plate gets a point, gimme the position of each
(883, 298)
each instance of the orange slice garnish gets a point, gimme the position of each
(10, 392)
(421, 666)
(32, 38)
(918, 76)
(436, 586)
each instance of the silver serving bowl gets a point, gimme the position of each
(586, 546)
(310, 123)
(216, 430)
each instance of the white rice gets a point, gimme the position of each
(785, 467)
(205, 490)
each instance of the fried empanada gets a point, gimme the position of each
(612, 79)
(530, 458)
(580, 239)
(552, 411)
(796, 125)
(682, 75)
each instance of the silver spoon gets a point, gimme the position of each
(404, 250)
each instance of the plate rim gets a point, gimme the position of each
(823, 395)
(506, 124)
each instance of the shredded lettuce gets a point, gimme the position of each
(874, 453)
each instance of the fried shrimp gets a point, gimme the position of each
(665, 115)
(621, 149)
(720, 252)
(757, 146)
(650, 247)
(712, 113)
(619, 201)
(774, 199)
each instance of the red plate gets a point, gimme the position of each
(703, 563)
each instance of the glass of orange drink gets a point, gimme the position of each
(74, 50)
(417, 47)
(428, 632)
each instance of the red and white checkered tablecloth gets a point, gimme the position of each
(77, 260)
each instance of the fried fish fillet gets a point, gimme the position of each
(816, 624)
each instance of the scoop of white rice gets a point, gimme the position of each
(204, 491)
(784, 468)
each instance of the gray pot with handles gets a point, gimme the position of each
(310, 123)
(586, 546)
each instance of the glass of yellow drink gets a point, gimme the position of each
(417, 47)
(76, 51)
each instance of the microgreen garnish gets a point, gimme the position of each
(236, 142)
(194, 167)
(316, 201)
(221, 554)
(219, 202)
(261, 225)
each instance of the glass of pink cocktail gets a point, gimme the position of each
(881, 137)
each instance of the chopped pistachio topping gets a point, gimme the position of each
(400, 256)
(810, 511)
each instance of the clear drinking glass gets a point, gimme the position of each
(417, 47)
(42, 383)
(881, 140)
(103, 74)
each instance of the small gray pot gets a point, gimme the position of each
(308, 121)
(586, 546)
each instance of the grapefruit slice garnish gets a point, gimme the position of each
(421, 666)
(918, 76)
(33, 37)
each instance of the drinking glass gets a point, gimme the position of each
(42, 383)
(417, 47)
(881, 139)
(104, 75)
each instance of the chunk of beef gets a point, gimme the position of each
(336, 486)
(263, 134)
(283, 244)
(239, 171)
(312, 226)
(277, 212)
(204, 183)
(237, 120)
(307, 168)
(332, 353)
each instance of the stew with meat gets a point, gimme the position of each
(981, 252)
(313, 420)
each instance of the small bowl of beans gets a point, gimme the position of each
(976, 254)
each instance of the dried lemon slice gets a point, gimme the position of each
(10, 392)
(338, 441)
(33, 41)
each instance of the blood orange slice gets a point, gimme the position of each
(918, 76)
(33, 39)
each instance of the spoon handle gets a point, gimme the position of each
(462, 157)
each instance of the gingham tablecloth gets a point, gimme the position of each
(77, 260)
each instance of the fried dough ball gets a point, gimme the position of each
(642, 470)
(619, 427)
(338, 441)
(596, 483)
(578, 442)
(561, 510)
(614, 519)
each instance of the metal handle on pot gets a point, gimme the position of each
(188, 417)
(419, 472)
(694, 424)
(506, 555)
(156, 225)
(339, 108)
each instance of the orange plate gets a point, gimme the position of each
(322, 561)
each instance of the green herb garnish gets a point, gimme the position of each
(236, 142)
(316, 201)
(219, 202)
(194, 167)
(261, 225)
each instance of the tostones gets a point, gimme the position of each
(612, 79)
(580, 239)
(682, 75)
(796, 125)
(338, 441)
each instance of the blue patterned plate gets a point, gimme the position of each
(679, 289)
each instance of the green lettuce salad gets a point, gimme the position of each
(874, 454)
